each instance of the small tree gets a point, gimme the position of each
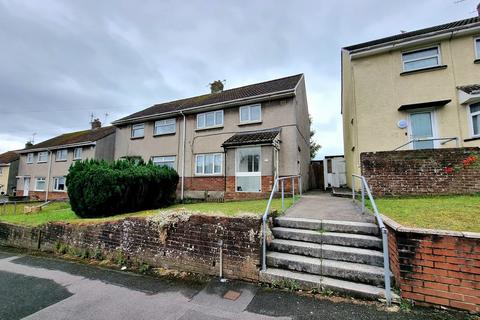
(314, 147)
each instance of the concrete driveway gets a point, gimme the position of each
(46, 288)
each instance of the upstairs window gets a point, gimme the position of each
(164, 161)
(61, 155)
(42, 157)
(475, 118)
(59, 184)
(165, 126)
(251, 113)
(477, 48)
(421, 59)
(30, 158)
(77, 154)
(138, 130)
(210, 119)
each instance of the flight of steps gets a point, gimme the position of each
(340, 256)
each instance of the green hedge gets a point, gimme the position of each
(98, 188)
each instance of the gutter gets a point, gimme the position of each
(231, 103)
(50, 157)
(64, 146)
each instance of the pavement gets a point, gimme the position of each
(323, 206)
(38, 287)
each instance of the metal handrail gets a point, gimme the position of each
(381, 225)
(267, 210)
(446, 140)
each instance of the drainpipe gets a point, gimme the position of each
(183, 156)
(50, 156)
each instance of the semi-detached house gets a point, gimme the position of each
(227, 144)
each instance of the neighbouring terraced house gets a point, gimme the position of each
(44, 166)
(414, 90)
(8, 172)
(226, 144)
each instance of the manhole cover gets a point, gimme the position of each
(232, 295)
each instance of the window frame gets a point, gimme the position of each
(44, 183)
(30, 161)
(133, 129)
(174, 167)
(249, 108)
(214, 154)
(204, 115)
(75, 153)
(439, 55)
(61, 151)
(55, 184)
(156, 125)
(476, 44)
(470, 116)
(38, 156)
(255, 174)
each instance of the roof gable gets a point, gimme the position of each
(8, 157)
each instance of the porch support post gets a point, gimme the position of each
(283, 195)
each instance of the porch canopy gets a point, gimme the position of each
(257, 137)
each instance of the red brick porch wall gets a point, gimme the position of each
(40, 195)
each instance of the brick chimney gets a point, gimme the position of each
(28, 144)
(216, 86)
(96, 124)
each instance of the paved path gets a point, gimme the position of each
(46, 288)
(323, 206)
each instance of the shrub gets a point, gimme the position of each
(98, 188)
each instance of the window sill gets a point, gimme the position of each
(406, 73)
(164, 134)
(208, 175)
(64, 191)
(136, 138)
(209, 128)
(40, 162)
(61, 160)
(471, 139)
(77, 159)
(246, 123)
(476, 61)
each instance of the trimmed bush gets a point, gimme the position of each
(98, 188)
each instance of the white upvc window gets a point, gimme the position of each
(42, 157)
(138, 130)
(168, 161)
(475, 119)
(477, 48)
(208, 164)
(210, 119)
(421, 59)
(30, 157)
(40, 184)
(61, 155)
(59, 184)
(77, 154)
(164, 126)
(251, 113)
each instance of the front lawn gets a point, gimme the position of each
(61, 211)
(459, 213)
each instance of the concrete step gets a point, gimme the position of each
(357, 272)
(307, 281)
(327, 251)
(328, 225)
(334, 238)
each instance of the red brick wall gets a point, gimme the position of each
(422, 172)
(204, 183)
(436, 269)
(40, 195)
(190, 244)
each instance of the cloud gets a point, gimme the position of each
(62, 60)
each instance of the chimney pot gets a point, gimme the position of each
(28, 144)
(96, 124)
(216, 86)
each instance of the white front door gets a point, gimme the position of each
(248, 174)
(26, 186)
(422, 128)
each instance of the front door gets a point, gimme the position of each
(26, 186)
(422, 128)
(248, 172)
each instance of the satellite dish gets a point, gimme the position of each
(402, 124)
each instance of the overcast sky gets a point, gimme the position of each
(62, 60)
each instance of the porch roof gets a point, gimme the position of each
(252, 137)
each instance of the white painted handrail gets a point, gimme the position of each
(444, 141)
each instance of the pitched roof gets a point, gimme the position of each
(245, 92)
(8, 157)
(252, 137)
(470, 89)
(74, 138)
(406, 35)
